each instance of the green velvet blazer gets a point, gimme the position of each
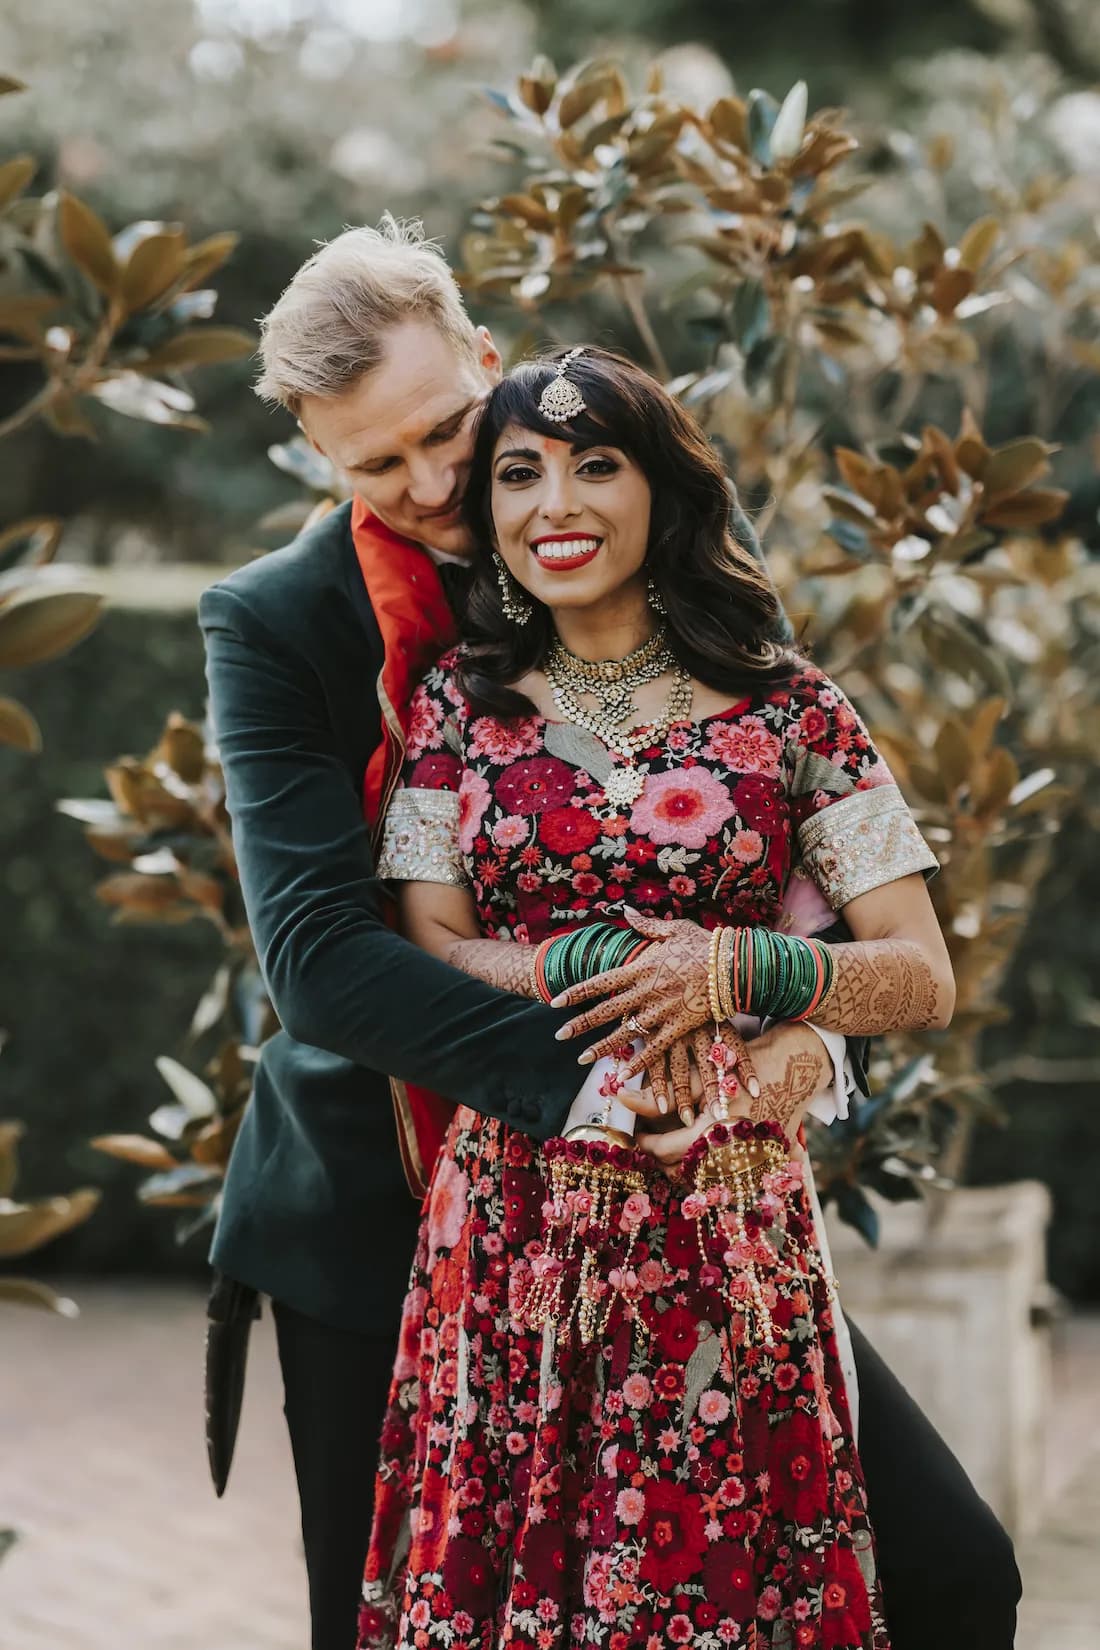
(316, 1211)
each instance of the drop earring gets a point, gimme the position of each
(517, 607)
(655, 599)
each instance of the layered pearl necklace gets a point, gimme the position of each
(612, 682)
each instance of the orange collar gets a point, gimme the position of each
(417, 625)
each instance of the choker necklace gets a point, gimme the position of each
(611, 682)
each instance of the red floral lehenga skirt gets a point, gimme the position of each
(692, 1485)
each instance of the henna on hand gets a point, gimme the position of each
(880, 985)
(665, 989)
(507, 966)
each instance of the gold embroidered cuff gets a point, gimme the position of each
(420, 839)
(861, 842)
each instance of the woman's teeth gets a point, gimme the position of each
(566, 549)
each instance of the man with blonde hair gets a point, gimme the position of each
(312, 654)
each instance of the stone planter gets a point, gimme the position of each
(954, 1299)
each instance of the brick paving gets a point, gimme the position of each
(123, 1545)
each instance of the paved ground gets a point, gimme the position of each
(124, 1546)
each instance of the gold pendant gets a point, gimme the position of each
(623, 786)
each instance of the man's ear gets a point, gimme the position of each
(489, 357)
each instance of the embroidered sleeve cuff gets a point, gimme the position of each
(864, 840)
(420, 839)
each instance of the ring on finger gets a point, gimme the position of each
(635, 1025)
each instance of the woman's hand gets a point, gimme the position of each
(778, 1075)
(662, 997)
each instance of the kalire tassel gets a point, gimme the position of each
(596, 1206)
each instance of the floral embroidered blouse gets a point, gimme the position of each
(785, 778)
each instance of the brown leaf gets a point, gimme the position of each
(983, 724)
(198, 347)
(15, 174)
(155, 265)
(27, 1226)
(36, 625)
(181, 747)
(11, 1133)
(728, 120)
(1015, 466)
(856, 470)
(971, 451)
(22, 316)
(953, 753)
(580, 99)
(205, 257)
(84, 237)
(1031, 509)
(992, 789)
(213, 1144)
(28, 1292)
(978, 242)
(134, 1148)
(140, 896)
(949, 289)
(43, 535)
(18, 727)
(527, 209)
(535, 94)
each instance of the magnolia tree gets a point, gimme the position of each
(844, 363)
(85, 317)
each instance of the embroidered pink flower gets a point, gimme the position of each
(682, 887)
(745, 745)
(447, 1205)
(746, 846)
(425, 721)
(503, 742)
(630, 1506)
(682, 806)
(637, 1392)
(713, 1408)
(473, 800)
(510, 831)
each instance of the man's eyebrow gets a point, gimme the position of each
(454, 417)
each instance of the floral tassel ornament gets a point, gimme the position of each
(596, 1206)
(742, 1178)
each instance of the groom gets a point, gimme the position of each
(311, 651)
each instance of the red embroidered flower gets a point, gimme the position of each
(541, 1556)
(425, 721)
(669, 1381)
(568, 830)
(524, 1195)
(677, 1334)
(674, 1534)
(503, 741)
(468, 1575)
(535, 786)
(438, 772)
(759, 802)
(845, 1607)
(797, 1465)
(728, 1579)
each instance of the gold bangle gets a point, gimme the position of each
(725, 976)
(712, 977)
(828, 993)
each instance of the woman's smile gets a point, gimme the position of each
(562, 552)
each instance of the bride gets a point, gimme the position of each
(618, 1414)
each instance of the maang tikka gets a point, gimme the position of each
(561, 400)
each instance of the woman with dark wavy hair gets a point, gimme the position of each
(619, 1415)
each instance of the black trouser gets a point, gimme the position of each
(949, 1578)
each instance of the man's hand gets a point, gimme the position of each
(662, 996)
(788, 1065)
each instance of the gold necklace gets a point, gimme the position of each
(611, 683)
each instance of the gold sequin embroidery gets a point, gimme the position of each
(864, 840)
(420, 839)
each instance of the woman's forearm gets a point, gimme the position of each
(506, 965)
(884, 985)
